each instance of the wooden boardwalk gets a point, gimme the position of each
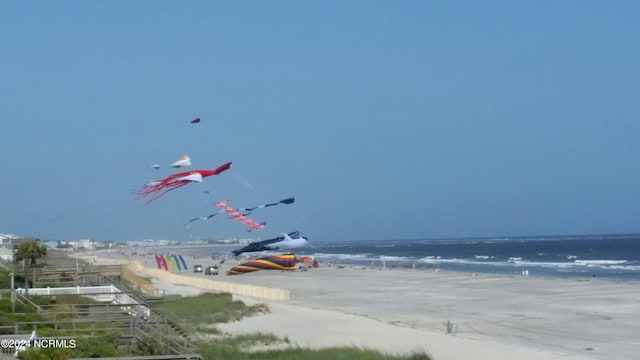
(135, 319)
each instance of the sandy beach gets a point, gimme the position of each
(403, 310)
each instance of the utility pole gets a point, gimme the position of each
(13, 293)
(75, 250)
(13, 284)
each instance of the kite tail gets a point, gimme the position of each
(166, 189)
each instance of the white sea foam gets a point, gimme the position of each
(599, 262)
(576, 266)
(438, 260)
(624, 267)
(543, 264)
(393, 258)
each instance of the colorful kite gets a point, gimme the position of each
(177, 262)
(235, 213)
(291, 240)
(202, 218)
(223, 204)
(273, 262)
(253, 225)
(159, 262)
(224, 208)
(286, 201)
(184, 263)
(257, 226)
(172, 265)
(163, 262)
(156, 189)
(184, 161)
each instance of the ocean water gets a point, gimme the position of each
(615, 257)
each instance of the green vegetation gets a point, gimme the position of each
(198, 315)
(202, 312)
(86, 347)
(5, 280)
(65, 310)
(208, 308)
(29, 250)
(136, 281)
(220, 351)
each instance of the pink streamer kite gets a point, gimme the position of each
(156, 189)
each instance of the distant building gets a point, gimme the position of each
(104, 244)
(6, 253)
(11, 239)
(52, 244)
(87, 244)
(6, 238)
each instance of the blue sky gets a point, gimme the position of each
(384, 119)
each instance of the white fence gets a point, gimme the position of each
(79, 290)
(261, 292)
(108, 293)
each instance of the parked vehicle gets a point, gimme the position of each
(211, 270)
(197, 268)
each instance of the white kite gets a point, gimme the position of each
(184, 161)
(194, 177)
(288, 241)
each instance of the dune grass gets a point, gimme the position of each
(236, 351)
(207, 309)
(199, 315)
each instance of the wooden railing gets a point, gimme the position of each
(133, 319)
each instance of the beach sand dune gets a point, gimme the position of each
(404, 310)
(315, 328)
(571, 319)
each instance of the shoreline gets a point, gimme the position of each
(580, 266)
(205, 261)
